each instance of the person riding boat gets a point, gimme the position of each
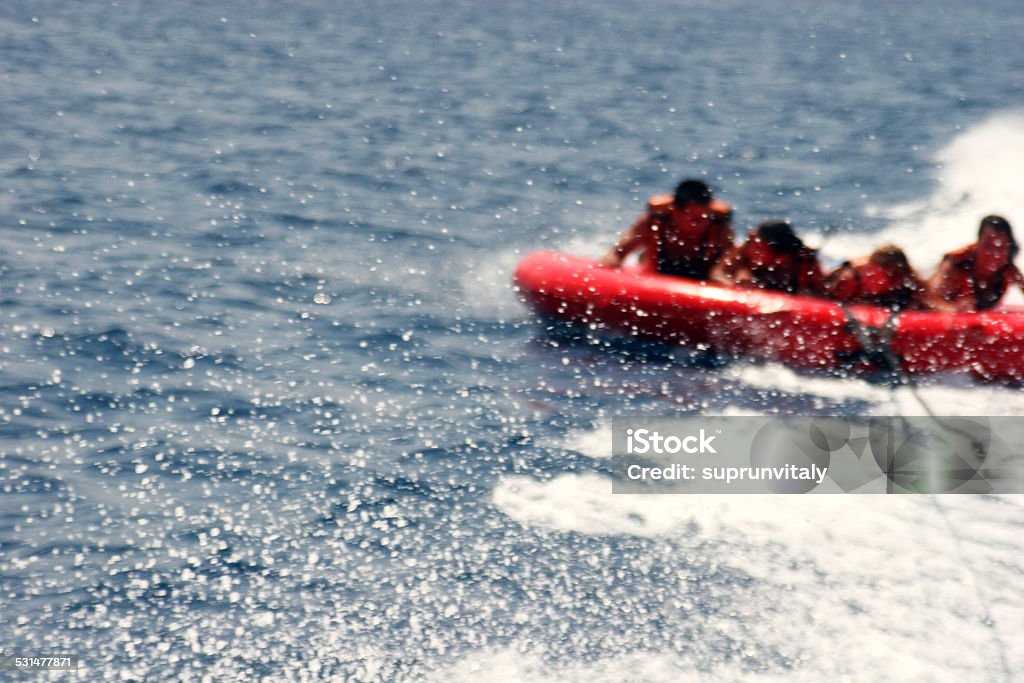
(885, 278)
(975, 277)
(773, 257)
(682, 234)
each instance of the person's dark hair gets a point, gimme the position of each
(1000, 224)
(692, 192)
(891, 255)
(779, 235)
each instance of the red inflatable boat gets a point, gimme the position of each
(803, 332)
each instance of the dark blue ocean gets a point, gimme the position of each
(270, 409)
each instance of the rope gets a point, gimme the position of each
(986, 613)
(880, 352)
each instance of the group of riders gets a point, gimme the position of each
(689, 234)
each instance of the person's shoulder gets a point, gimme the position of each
(721, 209)
(659, 203)
(962, 255)
(845, 268)
(808, 255)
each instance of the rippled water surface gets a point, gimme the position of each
(269, 409)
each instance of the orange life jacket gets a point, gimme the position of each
(964, 284)
(860, 281)
(688, 240)
(778, 271)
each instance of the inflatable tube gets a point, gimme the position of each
(803, 332)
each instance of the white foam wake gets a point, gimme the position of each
(980, 174)
(877, 588)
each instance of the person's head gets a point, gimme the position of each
(773, 254)
(996, 244)
(779, 237)
(886, 266)
(890, 257)
(692, 192)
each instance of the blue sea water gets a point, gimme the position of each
(269, 409)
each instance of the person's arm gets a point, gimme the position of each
(919, 295)
(1017, 278)
(730, 269)
(940, 293)
(628, 242)
(841, 283)
(720, 242)
(812, 280)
